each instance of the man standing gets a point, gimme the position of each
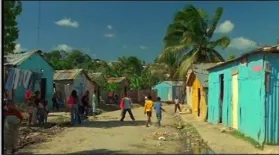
(94, 103)
(85, 103)
(127, 105)
(177, 106)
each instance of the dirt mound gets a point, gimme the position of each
(37, 134)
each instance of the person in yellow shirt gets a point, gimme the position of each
(148, 106)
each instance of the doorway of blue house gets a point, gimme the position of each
(43, 88)
(221, 97)
(199, 102)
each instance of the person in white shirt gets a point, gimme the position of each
(176, 104)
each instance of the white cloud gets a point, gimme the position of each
(64, 47)
(109, 27)
(225, 27)
(143, 47)
(242, 43)
(109, 35)
(67, 22)
(18, 48)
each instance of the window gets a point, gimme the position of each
(267, 81)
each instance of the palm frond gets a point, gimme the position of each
(214, 21)
(222, 42)
(187, 61)
(217, 55)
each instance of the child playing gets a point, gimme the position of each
(148, 110)
(13, 117)
(158, 108)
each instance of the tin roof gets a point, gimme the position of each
(66, 74)
(270, 49)
(19, 58)
(97, 77)
(174, 83)
(115, 80)
(200, 70)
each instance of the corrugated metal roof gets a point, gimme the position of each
(66, 74)
(201, 72)
(17, 59)
(97, 77)
(174, 83)
(116, 80)
(270, 49)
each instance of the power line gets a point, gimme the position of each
(39, 23)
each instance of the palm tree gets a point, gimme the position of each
(168, 64)
(191, 35)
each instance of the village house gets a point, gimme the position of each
(197, 89)
(122, 86)
(244, 94)
(39, 79)
(101, 81)
(74, 79)
(169, 90)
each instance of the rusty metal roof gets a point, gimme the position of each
(66, 74)
(269, 49)
(116, 80)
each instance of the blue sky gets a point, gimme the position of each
(107, 30)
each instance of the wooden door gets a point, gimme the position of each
(235, 101)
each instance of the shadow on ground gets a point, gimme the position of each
(111, 124)
(97, 151)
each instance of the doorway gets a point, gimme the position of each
(221, 97)
(43, 88)
(235, 101)
(199, 101)
(125, 90)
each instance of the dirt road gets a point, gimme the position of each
(108, 135)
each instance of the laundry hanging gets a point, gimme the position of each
(18, 77)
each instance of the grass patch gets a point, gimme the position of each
(240, 135)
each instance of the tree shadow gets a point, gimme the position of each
(111, 123)
(97, 151)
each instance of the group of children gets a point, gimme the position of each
(148, 108)
(37, 108)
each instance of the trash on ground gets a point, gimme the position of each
(162, 138)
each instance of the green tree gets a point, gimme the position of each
(11, 10)
(191, 34)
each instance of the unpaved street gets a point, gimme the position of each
(108, 135)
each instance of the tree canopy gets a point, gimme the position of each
(191, 35)
(10, 33)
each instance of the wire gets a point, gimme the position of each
(39, 23)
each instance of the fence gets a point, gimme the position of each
(137, 96)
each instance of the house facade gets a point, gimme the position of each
(34, 62)
(74, 79)
(169, 90)
(197, 88)
(244, 94)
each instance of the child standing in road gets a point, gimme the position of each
(148, 110)
(158, 108)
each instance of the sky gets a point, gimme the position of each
(108, 30)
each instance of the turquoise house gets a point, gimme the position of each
(35, 62)
(244, 94)
(168, 90)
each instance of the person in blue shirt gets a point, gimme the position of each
(158, 108)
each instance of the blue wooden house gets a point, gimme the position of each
(168, 90)
(35, 62)
(244, 94)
